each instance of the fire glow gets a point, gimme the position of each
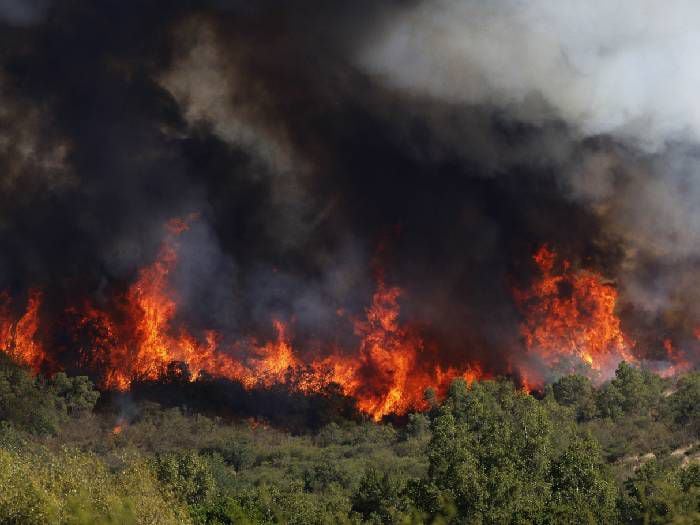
(571, 314)
(388, 373)
(566, 314)
(19, 339)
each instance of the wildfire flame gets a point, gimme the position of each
(566, 313)
(18, 339)
(387, 373)
(678, 361)
(569, 313)
(392, 352)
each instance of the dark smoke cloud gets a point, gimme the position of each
(619, 75)
(23, 12)
(309, 134)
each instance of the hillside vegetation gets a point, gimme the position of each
(626, 452)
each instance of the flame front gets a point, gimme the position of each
(387, 373)
(566, 313)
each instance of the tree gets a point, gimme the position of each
(321, 476)
(684, 404)
(576, 391)
(489, 455)
(73, 395)
(655, 496)
(418, 426)
(377, 498)
(23, 401)
(582, 490)
(632, 391)
(40, 405)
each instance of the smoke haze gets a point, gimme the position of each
(439, 143)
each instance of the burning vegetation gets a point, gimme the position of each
(387, 373)
(298, 171)
(19, 338)
(570, 317)
(569, 320)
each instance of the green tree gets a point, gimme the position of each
(323, 476)
(576, 391)
(684, 404)
(582, 489)
(23, 401)
(418, 426)
(632, 391)
(489, 455)
(40, 406)
(655, 496)
(73, 395)
(377, 498)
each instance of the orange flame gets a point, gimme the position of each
(571, 313)
(18, 339)
(566, 313)
(150, 346)
(677, 362)
(392, 368)
(387, 373)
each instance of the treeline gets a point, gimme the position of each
(624, 452)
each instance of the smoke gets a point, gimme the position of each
(624, 68)
(323, 142)
(622, 78)
(23, 12)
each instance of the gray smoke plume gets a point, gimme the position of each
(622, 75)
(23, 12)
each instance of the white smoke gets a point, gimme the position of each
(622, 67)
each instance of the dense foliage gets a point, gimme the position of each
(623, 452)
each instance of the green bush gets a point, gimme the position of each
(69, 486)
(40, 406)
(186, 475)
